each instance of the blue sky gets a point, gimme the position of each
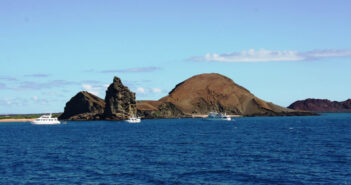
(281, 51)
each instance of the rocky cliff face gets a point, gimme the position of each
(119, 104)
(322, 105)
(120, 101)
(204, 93)
(83, 106)
(158, 109)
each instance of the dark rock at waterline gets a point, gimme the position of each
(83, 106)
(157, 109)
(119, 104)
(322, 105)
(120, 101)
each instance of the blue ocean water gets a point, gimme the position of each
(259, 150)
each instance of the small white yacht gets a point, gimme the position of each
(46, 120)
(133, 119)
(214, 116)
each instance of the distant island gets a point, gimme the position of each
(197, 95)
(322, 105)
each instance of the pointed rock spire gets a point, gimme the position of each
(120, 101)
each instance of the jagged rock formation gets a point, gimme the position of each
(322, 105)
(83, 106)
(119, 104)
(120, 101)
(204, 93)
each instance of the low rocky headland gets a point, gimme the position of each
(322, 105)
(119, 104)
(197, 95)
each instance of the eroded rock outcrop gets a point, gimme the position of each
(120, 101)
(204, 93)
(322, 105)
(83, 106)
(119, 104)
(158, 109)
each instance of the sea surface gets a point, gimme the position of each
(258, 150)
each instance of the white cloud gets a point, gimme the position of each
(87, 87)
(264, 55)
(35, 98)
(156, 90)
(91, 89)
(141, 90)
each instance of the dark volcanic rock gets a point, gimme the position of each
(204, 93)
(157, 109)
(322, 105)
(120, 101)
(83, 106)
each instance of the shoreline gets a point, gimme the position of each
(205, 115)
(16, 120)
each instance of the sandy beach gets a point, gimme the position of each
(15, 120)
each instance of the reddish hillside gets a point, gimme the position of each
(322, 105)
(204, 93)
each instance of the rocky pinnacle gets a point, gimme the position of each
(120, 101)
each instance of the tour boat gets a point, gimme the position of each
(214, 116)
(133, 119)
(45, 120)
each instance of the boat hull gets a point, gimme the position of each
(217, 119)
(45, 123)
(133, 121)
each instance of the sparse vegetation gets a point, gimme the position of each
(26, 116)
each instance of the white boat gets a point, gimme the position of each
(214, 116)
(133, 120)
(46, 120)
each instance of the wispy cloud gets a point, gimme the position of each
(39, 100)
(156, 90)
(93, 89)
(148, 91)
(19, 101)
(38, 75)
(3, 86)
(5, 102)
(132, 70)
(132, 84)
(264, 55)
(30, 85)
(141, 90)
(7, 78)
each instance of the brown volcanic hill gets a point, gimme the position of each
(83, 106)
(204, 93)
(321, 105)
